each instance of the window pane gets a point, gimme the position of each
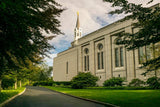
(85, 66)
(121, 56)
(148, 52)
(116, 57)
(102, 60)
(98, 60)
(88, 62)
(66, 67)
(140, 55)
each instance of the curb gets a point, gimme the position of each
(94, 101)
(6, 101)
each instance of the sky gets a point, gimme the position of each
(93, 15)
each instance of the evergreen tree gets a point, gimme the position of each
(148, 22)
(21, 26)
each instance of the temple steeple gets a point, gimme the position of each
(77, 30)
(77, 24)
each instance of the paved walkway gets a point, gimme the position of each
(42, 97)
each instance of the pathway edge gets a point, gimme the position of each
(8, 100)
(95, 101)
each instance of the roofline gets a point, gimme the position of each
(120, 20)
(111, 24)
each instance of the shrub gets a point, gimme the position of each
(83, 80)
(7, 82)
(51, 83)
(115, 81)
(136, 82)
(43, 83)
(65, 83)
(154, 82)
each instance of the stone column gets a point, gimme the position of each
(92, 58)
(79, 58)
(130, 61)
(108, 56)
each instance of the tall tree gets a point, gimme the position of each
(148, 22)
(21, 26)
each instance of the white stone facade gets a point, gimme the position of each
(103, 58)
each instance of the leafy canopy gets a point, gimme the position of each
(147, 20)
(21, 26)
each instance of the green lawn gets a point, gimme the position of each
(123, 98)
(6, 94)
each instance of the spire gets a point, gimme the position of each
(77, 24)
(77, 30)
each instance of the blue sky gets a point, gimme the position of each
(93, 15)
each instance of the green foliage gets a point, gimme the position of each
(21, 25)
(65, 83)
(51, 83)
(7, 82)
(83, 80)
(148, 23)
(6, 94)
(154, 82)
(122, 98)
(40, 72)
(136, 82)
(115, 81)
(43, 83)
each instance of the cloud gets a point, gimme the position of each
(93, 15)
(49, 60)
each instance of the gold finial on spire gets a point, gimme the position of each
(77, 24)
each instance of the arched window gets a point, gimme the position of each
(86, 59)
(100, 56)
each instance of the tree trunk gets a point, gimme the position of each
(154, 56)
(0, 85)
(20, 83)
(15, 84)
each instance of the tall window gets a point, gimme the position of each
(140, 55)
(66, 67)
(148, 52)
(86, 59)
(121, 57)
(119, 60)
(144, 55)
(116, 57)
(100, 57)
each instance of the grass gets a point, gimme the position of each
(123, 98)
(6, 94)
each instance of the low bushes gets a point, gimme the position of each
(136, 83)
(83, 80)
(51, 83)
(115, 81)
(7, 82)
(151, 83)
(43, 83)
(154, 82)
(65, 83)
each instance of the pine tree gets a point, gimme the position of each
(21, 26)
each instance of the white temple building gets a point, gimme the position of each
(97, 53)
